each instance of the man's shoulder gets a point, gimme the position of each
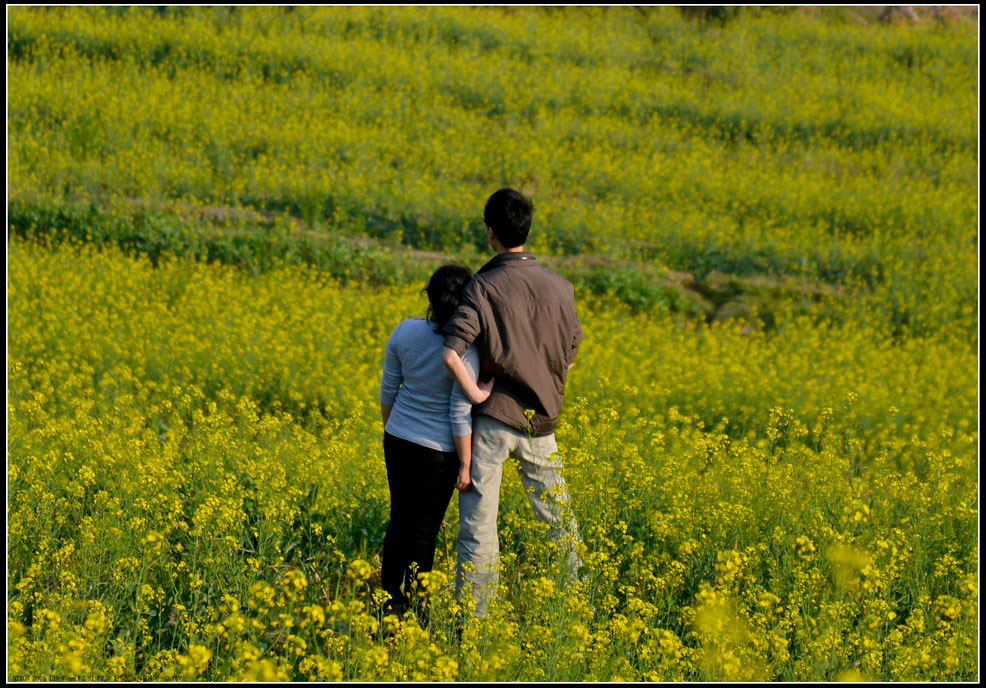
(533, 272)
(550, 284)
(557, 279)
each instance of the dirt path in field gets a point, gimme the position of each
(717, 296)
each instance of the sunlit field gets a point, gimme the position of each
(218, 216)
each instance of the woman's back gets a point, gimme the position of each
(418, 386)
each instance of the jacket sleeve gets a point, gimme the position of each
(464, 326)
(460, 408)
(577, 337)
(392, 375)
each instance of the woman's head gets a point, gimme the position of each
(444, 289)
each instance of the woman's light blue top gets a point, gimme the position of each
(428, 407)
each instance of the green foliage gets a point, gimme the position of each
(254, 243)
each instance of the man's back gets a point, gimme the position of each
(522, 318)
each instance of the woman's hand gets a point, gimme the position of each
(465, 477)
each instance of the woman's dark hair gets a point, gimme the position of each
(444, 290)
(508, 213)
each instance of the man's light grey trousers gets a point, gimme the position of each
(540, 471)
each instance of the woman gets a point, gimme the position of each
(427, 434)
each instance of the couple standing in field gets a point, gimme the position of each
(480, 379)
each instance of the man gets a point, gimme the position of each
(521, 317)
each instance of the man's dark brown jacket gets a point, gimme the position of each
(522, 318)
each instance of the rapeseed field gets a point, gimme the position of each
(784, 490)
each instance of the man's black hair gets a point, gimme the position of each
(444, 291)
(508, 213)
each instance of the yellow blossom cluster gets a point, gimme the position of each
(200, 492)
(842, 153)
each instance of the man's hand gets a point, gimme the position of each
(485, 389)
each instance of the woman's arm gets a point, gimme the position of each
(392, 377)
(463, 445)
(460, 417)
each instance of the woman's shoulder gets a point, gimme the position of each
(412, 328)
(410, 324)
(414, 324)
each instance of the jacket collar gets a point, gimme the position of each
(519, 258)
